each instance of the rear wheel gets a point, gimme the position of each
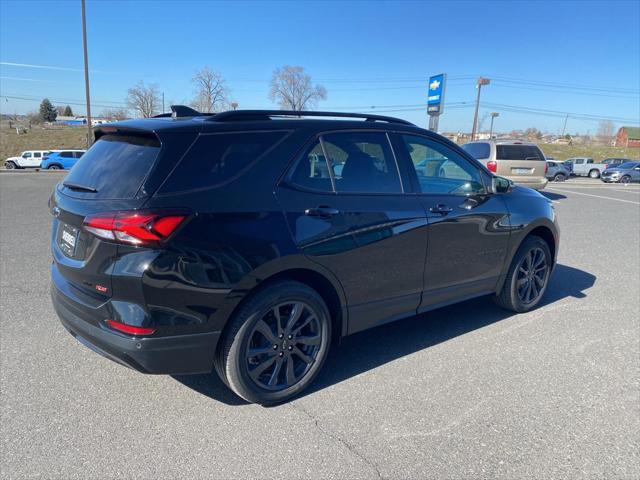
(53, 167)
(528, 276)
(275, 344)
(594, 173)
(626, 179)
(559, 177)
(10, 166)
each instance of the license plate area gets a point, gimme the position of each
(522, 171)
(68, 239)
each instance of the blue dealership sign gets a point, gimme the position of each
(435, 98)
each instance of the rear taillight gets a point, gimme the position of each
(134, 228)
(606, 165)
(130, 329)
(546, 167)
(492, 166)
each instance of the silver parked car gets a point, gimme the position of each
(557, 171)
(625, 173)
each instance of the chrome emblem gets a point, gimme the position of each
(56, 212)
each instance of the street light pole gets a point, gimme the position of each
(493, 115)
(86, 75)
(481, 81)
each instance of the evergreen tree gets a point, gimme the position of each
(48, 112)
(67, 111)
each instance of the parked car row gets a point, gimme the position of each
(624, 173)
(46, 159)
(586, 167)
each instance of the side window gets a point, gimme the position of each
(362, 162)
(27, 155)
(590, 160)
(440, 169)
(312, 171)
(37, 155)
(78, 154)
(579, 161)
(216, 159)
(66, 154)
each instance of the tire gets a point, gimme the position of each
(53, 167)
(594, 173)
(626, 179)
(283, 366)
(10, 166)
(559, 177)
(510, 297)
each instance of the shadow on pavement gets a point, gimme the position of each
(372, 348)
(553, 195)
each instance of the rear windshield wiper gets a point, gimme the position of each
(77, 186)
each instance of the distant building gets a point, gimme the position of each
(628, 137)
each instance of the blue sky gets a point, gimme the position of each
(576, 57)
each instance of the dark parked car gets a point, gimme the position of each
(626, 173)
(248, 241)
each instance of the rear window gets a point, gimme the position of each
(479, 151)
(518, 152)
(218, 158)
(116, 166)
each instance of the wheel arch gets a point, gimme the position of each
(306, 272)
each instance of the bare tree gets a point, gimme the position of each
(116, 114)
(606, 130)
(145, 100)
(211, 91)
(292, 89)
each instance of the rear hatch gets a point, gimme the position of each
(522, 163)
(108, 178)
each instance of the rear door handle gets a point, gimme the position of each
(441, 208)
(322, 211)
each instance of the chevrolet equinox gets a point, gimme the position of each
(250, 241)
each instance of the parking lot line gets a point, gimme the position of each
(592, 195)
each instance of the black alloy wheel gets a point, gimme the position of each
(283, 345)
(532, 276)
(276, 343)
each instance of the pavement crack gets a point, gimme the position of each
(338, 439)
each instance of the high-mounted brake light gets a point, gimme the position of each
(492, 166)
(134, 228)
(130, 329)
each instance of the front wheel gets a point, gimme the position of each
(528, 276)
(276, 344)
(559, 177)
(625, 180)
(10, 166)
(53, 167)
(594, 174)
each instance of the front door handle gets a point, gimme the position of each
(322, 211)
(441, 208)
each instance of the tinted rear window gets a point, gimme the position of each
(478, 151)
(518, 152)
(116, 166)
(215, 159)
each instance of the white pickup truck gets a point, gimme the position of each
(28, 159)
(586, 167)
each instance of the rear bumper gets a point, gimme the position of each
(179, 354)
(535, 183)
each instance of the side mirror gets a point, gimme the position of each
(501, 185)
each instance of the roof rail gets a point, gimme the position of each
(178, 111)
(257, 115)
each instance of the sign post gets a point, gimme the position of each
(435, 99)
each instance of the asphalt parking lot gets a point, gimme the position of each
(463, 392)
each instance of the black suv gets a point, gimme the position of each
(248, 241)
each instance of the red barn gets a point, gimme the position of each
(628, 137)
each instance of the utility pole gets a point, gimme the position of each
(481, 81)
(565, 124)
(493, 115)
(86, 76)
